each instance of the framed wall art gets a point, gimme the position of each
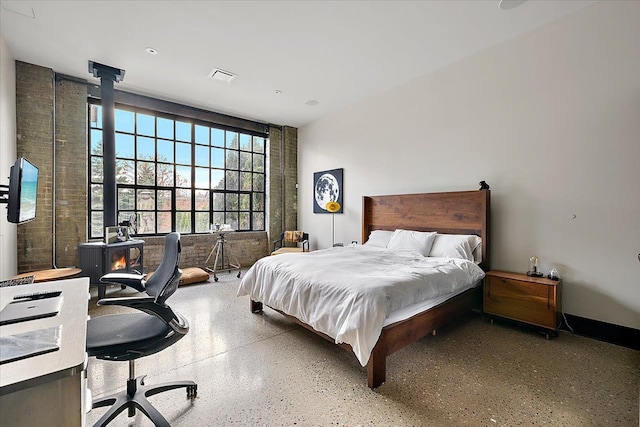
(327, 187)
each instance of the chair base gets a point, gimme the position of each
(136, 397)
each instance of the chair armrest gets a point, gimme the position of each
(146, 304)
(135, 281)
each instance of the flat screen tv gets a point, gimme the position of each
(23, 190)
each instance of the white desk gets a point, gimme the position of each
(48, 389)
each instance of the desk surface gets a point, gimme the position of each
(73, 318)
(53, 274)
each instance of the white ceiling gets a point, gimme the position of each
(334, 52)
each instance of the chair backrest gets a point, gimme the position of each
(164, 281)
(294, 236)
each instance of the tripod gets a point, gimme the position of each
(218, 249)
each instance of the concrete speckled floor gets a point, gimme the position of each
(264, 370)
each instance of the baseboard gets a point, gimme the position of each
(602, 331)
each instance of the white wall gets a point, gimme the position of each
(8, 232)
(551, 120)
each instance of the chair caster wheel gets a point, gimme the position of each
(192, 392)
(238, 276)
(215, 279)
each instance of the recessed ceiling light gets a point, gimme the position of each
(277, 92)
(312, 103)
(151, 51)
(510, 4)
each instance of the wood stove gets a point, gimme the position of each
(98, 258)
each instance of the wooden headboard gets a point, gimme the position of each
(459, 212)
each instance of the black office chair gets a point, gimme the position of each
(130, 336)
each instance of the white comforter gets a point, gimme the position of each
(347, 293)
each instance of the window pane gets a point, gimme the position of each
(217, 137)
(217, 158)
(146, 125)
(217, 179)
(164, 200)
(202, 200)
(124, 121)
(243, 221)
(245, 181)
(124, 171)
(232, 140)
(258, 221)
(183, 153)
(245, 142)
(202, 155)
(147, 223)
(202, 178)
(258, 201)
(96, 169)
(183, 131)
(232, 179)
(165, 151)
(258, 163)
(217, 218)
(146, 200)
(95, 116)
(244, 202)
(202, 222)
(183, 199)
(97, 219)
(245, 161)
(231, 202)
(258, 182)
(146, 148)
(258, 144)
(164, 222)
(202, 134)
(126, 199)
(146, 173)
(165, 175)
(183, 176)
(232, 220)
(232, 159)
(96, 142)
(124, 146)
(183, 222)
(97, 197)
(218, 202)
(165, 128)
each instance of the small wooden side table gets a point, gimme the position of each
(52, 274)
(533, 300)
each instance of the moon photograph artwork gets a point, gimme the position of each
(327, 187)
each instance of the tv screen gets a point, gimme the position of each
(23, 190)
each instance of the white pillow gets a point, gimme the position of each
(379, 238)
(412, 240)
(455, 246)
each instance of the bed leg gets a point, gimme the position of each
(256, 306)
(376, 369)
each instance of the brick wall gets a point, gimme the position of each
(34, 124)
(34, 119)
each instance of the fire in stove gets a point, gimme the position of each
(118, 261)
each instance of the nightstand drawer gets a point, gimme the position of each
(526, 301)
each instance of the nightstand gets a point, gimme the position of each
(516, 296)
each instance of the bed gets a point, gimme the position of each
(448, 213)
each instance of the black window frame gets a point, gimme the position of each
(252, 211)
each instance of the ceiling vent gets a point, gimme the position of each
(221, 75)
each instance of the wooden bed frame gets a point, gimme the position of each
(461, 212)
